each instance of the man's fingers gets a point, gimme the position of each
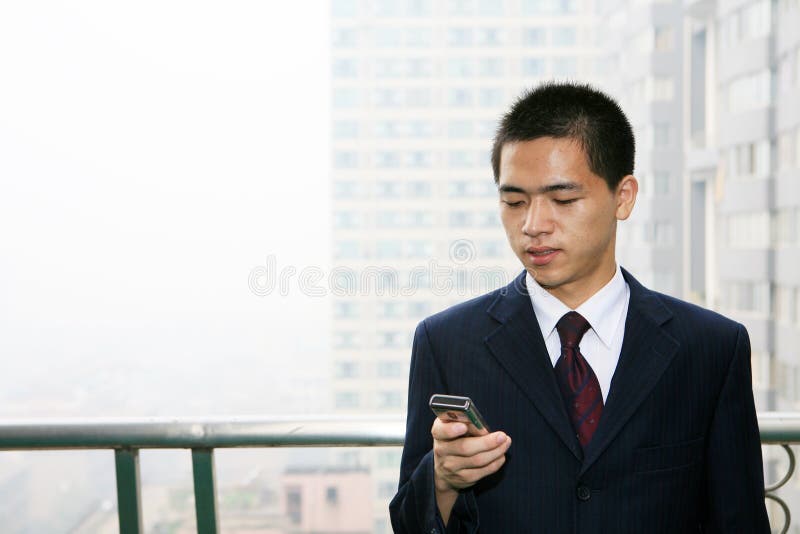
(472, 445)
(454, 464)
(465, 478)
(446, 431)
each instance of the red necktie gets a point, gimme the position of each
(579, 386)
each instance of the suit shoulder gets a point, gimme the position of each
(701, 318)
(463, 313)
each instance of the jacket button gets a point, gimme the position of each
(583, 493)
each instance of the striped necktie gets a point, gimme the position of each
(578, 383)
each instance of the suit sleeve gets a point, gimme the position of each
(413, 509)
(735, 470)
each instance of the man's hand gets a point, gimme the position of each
(459, 461)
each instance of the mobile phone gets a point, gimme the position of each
(451, 408)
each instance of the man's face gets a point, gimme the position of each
(560, 217)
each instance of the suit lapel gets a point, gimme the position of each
(647, 350)
(519, 347)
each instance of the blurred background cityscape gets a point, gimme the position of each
(247, 209)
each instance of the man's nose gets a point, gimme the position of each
(538, 219)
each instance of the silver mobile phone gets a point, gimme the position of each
(451, 408)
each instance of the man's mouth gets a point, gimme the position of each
(541, 255)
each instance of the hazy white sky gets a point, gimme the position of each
(151, 154)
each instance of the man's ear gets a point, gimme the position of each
(625, 196)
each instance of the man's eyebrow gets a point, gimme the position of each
(561, 186)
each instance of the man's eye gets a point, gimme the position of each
(565, 201)
(512, 204)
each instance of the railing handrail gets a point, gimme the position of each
(126, 436)
(250, 431)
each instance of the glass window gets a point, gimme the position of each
(663, 39)
(418, 309)
(419, 189)
(387, 159)
(346, 219)
(344, 8)
(461, 219)
(489, 37)
(751, 91)
(565, 66)
(345, 97)
(564, 37)
(460, 67)
(490, 7)
(390, 399)
(458, 189)
(548, 7)
(490, 97)
(419, 159)
(663, 88)
(661, 135)
(661, 183)
(345, 340)
(346, 369)
(490, 66)
(345, 159)
(388, 310)
(486, 129)
(388, 189)
(459, 129)
(420, 218)
(346, 400)
(344, 37)
(387, 8)
(419, 68)
(344, 68)
(418, 8)
(419, 249)
(389, 459)
(459, 37)
(461, 158)
(461, 7)
(346, 189)
(746, 230)
(391, 339)
(390, 369)
(533, 66)
(345, 129)
(419, 37)
(389, 219)
(347, 250)
(345, 310)
(459, 97)
(388, 37)
(389, 249)
(418, 97)
(533, 37)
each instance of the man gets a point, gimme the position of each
(630, 411)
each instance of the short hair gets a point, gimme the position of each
(575, 111)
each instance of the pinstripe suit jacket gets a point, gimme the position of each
(676, 450)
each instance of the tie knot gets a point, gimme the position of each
(571, 328)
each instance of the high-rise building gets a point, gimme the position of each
(641, 67)
(743, 165)
(742, 177)
(417, 89)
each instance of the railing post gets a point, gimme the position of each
(129, 499)
(205, 495)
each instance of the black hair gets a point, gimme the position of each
(575, 111)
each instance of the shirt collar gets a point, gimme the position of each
(602, 309)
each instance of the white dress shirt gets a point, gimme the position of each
(605, 310)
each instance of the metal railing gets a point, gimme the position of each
(127, 436)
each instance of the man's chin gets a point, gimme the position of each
(544, 281)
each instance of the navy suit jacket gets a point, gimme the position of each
(676, 450)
